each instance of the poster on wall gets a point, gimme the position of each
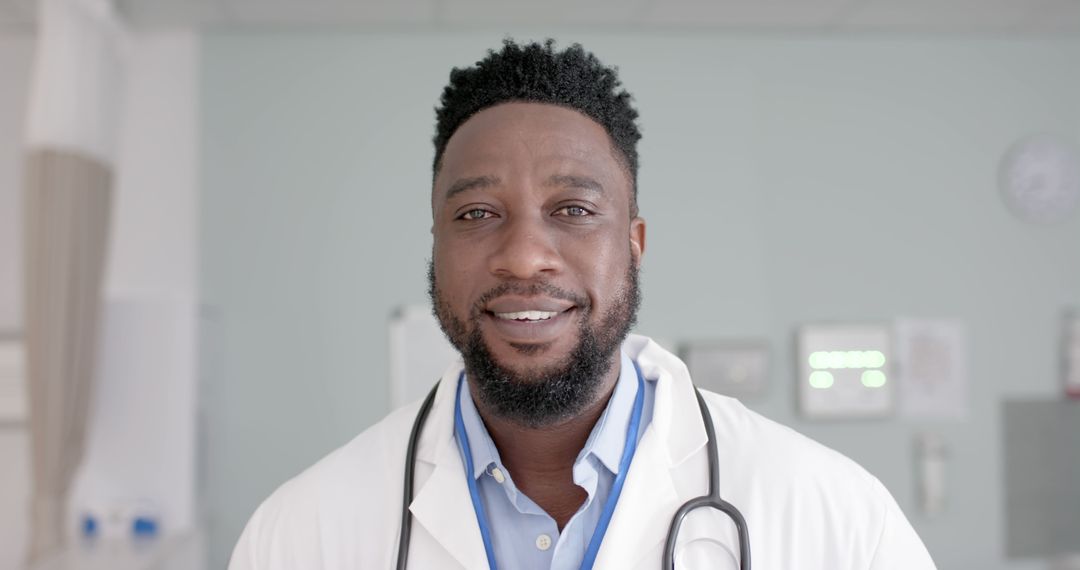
(932, 365)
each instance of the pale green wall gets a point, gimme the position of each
(785, 179)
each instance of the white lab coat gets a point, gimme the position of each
(807, 507)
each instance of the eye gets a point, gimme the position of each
(573, 211)
(475, 214)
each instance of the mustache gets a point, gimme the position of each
(528, 289)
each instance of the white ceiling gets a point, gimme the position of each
(1027, 17)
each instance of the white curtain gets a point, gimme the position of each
(71, 131)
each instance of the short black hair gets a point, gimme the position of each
(533, 72)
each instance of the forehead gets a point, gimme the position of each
(529, 138)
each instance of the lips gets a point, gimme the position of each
(529, 320)
(529, 316)
(514, 304)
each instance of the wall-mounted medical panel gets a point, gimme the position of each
(844, 371)
(739, 369)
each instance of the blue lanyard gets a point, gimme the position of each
(632, 432)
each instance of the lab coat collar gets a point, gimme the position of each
(443, 498)
(648, 498)
(675, 412)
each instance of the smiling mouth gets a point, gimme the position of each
(526, 316)
(533, 325)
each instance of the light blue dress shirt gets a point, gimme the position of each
(525, 537)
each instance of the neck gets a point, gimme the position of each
(541, 460)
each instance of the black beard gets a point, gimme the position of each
(541, 397)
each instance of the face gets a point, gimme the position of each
(535, 258)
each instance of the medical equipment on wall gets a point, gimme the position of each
(711, 500)
(739, 369)
(845, 371)
(931, 455)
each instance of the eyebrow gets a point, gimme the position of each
(464, 184)
(575, 181)
(564, 180)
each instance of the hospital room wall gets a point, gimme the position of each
(785, 180)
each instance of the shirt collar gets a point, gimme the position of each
(484, 453)
(608, 437)
(606, 441)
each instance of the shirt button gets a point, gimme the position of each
(498, 475)
(543, 542)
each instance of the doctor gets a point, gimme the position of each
(561, 441)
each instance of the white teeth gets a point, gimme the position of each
(527, 315)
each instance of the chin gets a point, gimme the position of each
(530, 359)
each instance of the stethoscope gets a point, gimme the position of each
(712, 500)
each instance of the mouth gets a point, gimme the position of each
(526, 316)
(522, 320)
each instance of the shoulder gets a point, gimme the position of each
(776, 451)
(842, 509)
(338, 495)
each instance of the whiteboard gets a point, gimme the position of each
(419, 354)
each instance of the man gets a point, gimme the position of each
(558, 441)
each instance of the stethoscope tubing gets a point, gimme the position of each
(712, 500)
(405, 533)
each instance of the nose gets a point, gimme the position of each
(526, 251)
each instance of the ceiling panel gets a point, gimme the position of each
(330, 12)
(749, 14)
(1051, 17)
(963, 16)
(170, 13)
(552, 12)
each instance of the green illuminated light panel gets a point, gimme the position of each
(821, 379)
(873, 378)
(868, 360)
(840, 359)
(845, 370)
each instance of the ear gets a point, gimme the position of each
(637, 240)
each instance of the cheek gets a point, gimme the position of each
(601, 263)
(452, 275)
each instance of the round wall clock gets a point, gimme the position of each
(1039, 178)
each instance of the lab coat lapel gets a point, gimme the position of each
(649, 498)
(442, 505)
(642, 514)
